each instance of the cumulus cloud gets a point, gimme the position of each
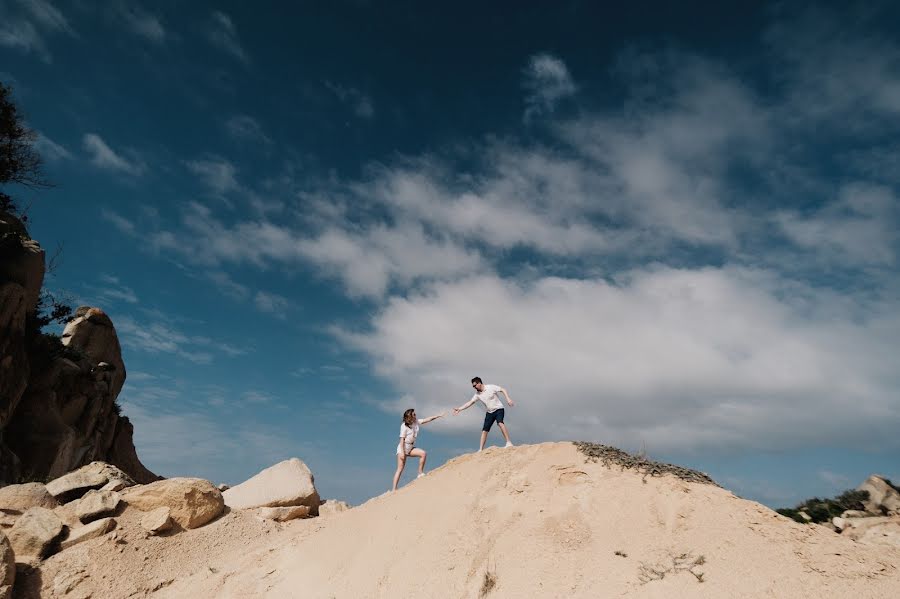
(683, 358)
(681, 269)
(102, 156)
(857, 228)
(222, 33)
(547, 80)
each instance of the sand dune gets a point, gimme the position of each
(530, 521)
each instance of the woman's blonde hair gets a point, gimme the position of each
(407, 416)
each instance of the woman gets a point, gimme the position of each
(409, 430)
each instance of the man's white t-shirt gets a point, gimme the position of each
(408, 436)
(489, 398)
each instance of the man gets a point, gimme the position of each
(487, 394)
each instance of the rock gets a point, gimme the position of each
(67, 580)
(96, 504)
(20, 498)
(66, 513)
(95, 529)
(330, 507)
(24, 264)
(156, 521)
(805, 516)
(877, 530)
(93, 332)
(287, 483)
(855, 514)
(7, 567)
(75, 484)
(222, 487)
(193, 501)
(283, 514)
(838, 523)
(33, 534)
(113, 474)
(883, 498)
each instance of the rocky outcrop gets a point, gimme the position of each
(58, 406)
(884, 499)
(192, 502)
(286, 484)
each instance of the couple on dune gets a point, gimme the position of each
(409, 430)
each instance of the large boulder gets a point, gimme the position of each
(92, 332)
(96, 504)
(33, 534)
(75, 484)
(287, 483)
(192, 502)
(7, 567)
(883, 497)
(878, 530)
(95, 529)
(20, 498)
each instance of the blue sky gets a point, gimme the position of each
(665, 228)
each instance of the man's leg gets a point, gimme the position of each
(505, 432)
(488, 422)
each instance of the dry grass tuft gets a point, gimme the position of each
(488, 582)
(614, 456)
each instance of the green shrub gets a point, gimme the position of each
(823, 510)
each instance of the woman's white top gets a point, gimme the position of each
(408, 436)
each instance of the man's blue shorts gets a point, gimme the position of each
(490, 417)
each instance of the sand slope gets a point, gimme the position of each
(547, 524)
(540, 520)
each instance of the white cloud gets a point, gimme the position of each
(24, 23)
(140, 21)
(119, 222)
(359, 102)
(24, 36)
(222, 33)
(161, 336)
(271, 303)
(857, 228)
(47, 15)
(245, 128)
(216, 173)
(102, 156)
(682, 359)
(548, 81)
(50, 150)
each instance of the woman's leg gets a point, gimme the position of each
(401, 462)
(422, 455)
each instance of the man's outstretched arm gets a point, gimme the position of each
(508, 398)
(465, 406)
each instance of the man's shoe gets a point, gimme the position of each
(509, 444)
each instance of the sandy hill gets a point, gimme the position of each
(530, 521)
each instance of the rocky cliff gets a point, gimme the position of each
(58, 406)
